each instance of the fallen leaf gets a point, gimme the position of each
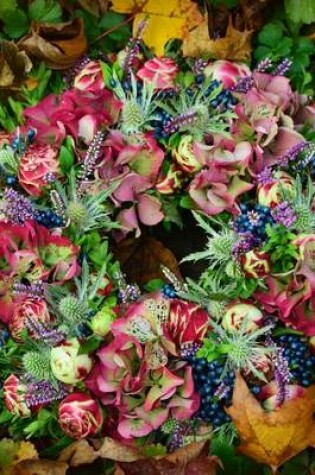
(40, 467)
(96, 7)
(235, 46)
(272, 438)
(58, 45)
(14, 65)
(114, 450)
(166, 19)
(252, 14)
(141, 259)
(78, 453)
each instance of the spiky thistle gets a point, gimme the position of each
(302, 205)
(85, 211)
(220, 243)
(139, 107)
(239, 347)
(37, 365)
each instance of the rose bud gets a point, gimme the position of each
(271, 194)
(101, 322)
(171, 182)
(38, 167)
(271, 398)
(160, 71)
(14, 396)
(80, 416)
(255, 264)
(90, 78)
(185, 155)
(227, 72)
(67, 365)
(234, 317)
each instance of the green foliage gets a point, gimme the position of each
(300, 11)
(16, 23)
(45, 11)
(44, 423)
(279, 246)
(277, 40)
(8, 449)
(95, 27)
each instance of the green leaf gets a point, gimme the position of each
(186, 202)
(90, 345)
(8, 449)
(154, 284)
(270, 35)
(300, 11)
(66, 159)
(7, 5)
(16, 23)
(45, 11)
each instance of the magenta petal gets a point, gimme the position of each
(149, 210)
(128, 220)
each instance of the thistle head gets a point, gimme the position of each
(72, 310)
(37, 365)
(132, 116)
(77, 212)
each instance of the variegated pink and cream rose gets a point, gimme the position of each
(37, 167)
(14, 392)
(67, 364)
(80, 416)
(272, 193)
(90, 78)
(159, 71)
(24, 309)
(256, 263)
(226, 72)
(242, 315)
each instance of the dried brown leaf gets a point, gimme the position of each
(141, 259)
(96, 7)
(59, 45)
(235, 46)
(273, 437)
(14, 65)
(78, 453)
(113, 450)
(40, 467)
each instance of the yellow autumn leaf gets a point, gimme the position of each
(167, 19)
(234, 46)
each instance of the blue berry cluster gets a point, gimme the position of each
(224, 100)
(299, 357)
(312, 166)
(4, 336)
(207, 381)
(169, 291)
(48, 218)
(253, 220)
(20, 142)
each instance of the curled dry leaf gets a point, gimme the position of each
(141, 259)
(58, 45)
(273, 438)
(78, 453)
(96, 7)
(40, 467)
(252, 14)
(235, 46)
(14, 65)
(166, 19)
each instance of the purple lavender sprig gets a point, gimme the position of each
(181, 120)
(293, 153)
(133, 47)
(244, 84)
(263, 65)
(282, 68)
(44, 392)
(43, 332)
(34, 290)
(76, 68)
(284, 214)
(265, 177)
(282, 374)
(17, 208)
(89, 162)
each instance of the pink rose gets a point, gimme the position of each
(213, 191)
(242, 315)
(160, 71)
(271, 193)
(187, 323)
(24, 309)
(255, 264)
(171, 182)
(36, 166)
(90, 78)
(14, 396)
(80, 416)
(227, 72)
